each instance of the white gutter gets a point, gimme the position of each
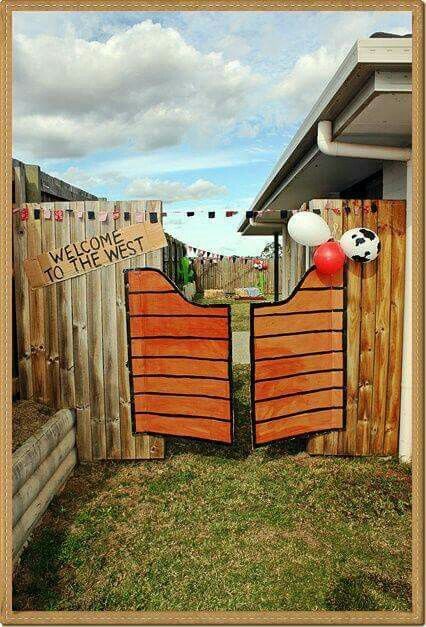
(363, 151)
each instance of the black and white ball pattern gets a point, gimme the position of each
(360, 244)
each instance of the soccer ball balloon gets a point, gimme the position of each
(360, 244)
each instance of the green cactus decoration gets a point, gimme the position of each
(185, 272)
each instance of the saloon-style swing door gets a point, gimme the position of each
(180, 359)
(298, 360)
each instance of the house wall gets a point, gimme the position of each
(394, 180)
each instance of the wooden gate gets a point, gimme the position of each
(180, 361)
(298, 360)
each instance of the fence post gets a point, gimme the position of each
(276, 268)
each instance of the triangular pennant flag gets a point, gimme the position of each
(212, 214)
(190, 214)
(103, 215)
(139, 216)
(47, 214)
(153, 217)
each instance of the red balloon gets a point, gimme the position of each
(329, 258)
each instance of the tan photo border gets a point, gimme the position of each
(7, 615)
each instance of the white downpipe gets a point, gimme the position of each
(406, 416)
(364, 151)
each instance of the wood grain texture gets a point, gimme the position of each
(110, 362)
(347, 438)
(367, 339)
(64, 304)
(127, 439)
(53, 387)
(375, 295)
(38, 348)
(22, 307)
(398, 228)
(382, 331)
(199, 406)
(79, 329)
(335, 221)
(80, 344)
(304, 359)
(95, 343)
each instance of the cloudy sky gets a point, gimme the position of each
(190, 107)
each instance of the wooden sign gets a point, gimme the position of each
(100, 250)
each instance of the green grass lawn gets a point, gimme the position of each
(218, 528)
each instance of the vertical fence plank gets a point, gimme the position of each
(64, 303)
(95, 342)
(38, 348)
(146, 446)
(368, 327)
(316, 442)
(381, 344)
(126, 434)
(22, 307)
(398, 226)
(109, 332)
(80, 344)
(53, 384)
(335, 221)
(348, 439)
(154, 445)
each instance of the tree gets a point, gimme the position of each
(268, 251)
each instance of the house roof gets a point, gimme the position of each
(369, 101)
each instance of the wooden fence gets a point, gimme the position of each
(375, 302)
(172, 253)
(72, 336)
(229, 275)
(40, 467)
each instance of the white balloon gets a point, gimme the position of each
(360, 244)
(308, 228)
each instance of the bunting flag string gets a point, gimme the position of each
(154, 216)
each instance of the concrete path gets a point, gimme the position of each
(241, 347)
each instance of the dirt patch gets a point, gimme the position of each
(27, 417)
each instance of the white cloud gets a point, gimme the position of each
(172, 191)
(300, 87)
(143, 86)
(87, 180)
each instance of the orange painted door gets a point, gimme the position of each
(180, 356)
(298, 360)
